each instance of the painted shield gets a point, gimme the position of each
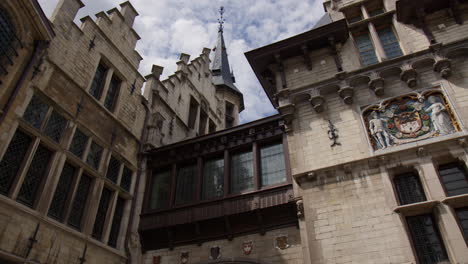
(247, 247)
(408, 122)
(184, 257)
(215, 252)
(281, 242)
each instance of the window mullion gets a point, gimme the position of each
(110, 215)
(227, 173)
(256, 166)
(364, 12)
(16, 186)
(199, 180)
(105, 87)
(173, 185)
(68, 204)
(91, 208)
(380, 52)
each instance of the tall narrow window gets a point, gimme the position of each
(212, 126)
(242, 172)
(160, 190)
(78, 144)
(454, 178)
(116, 222)
(366, 49)
(389, 42)
(55, 126)
(79, 203)
(35, 176)
(192, 113)
(126, 181)
(229, 116)
(426, 239)
(35, 112)
(213, 178)
(203, 120)
(7, 41)
(113, 169)
(186, 184)
(94, 155)
(272, 164)
(112, 93)
(409, 189)
(13, 159)
(101, 213)
(62, 192)
(462, 214)
(98, 82)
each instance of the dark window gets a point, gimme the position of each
(160, 190)
(115, 228)
(8, 41)
(355, 18)
(454, 178)
(79, 203)
(374, 8)
(78, 144)
(242, 172)
(192, 113)
(13, 159)
(35, 175)
(354, 15)
(113, 169)
(409, 189)
(126, 181)
(366, 49)
(389, 42)
(98, 82)
(212, 126)
(94, 155)
(426, 239)
(462, 214)
(55, 126)
(376, 12)
(202, 125)
(185, 184)
(112, 93)
(213, 178)
(35, 112)
(229, 118)
(272, 164)
(101, 213)
(62, 192)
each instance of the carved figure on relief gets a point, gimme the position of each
(439, 117)
(377, 130)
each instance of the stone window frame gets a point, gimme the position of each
(194, 106)
(439, 162)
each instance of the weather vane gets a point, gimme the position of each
(221, 19)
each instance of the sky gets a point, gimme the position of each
(170, 27)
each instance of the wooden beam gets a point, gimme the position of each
(281, 70)
(256, 166)
(173, 184)
(334, 53)
(305, 54)
(455, 9)
(260, 222)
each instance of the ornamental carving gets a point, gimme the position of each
(409, 118)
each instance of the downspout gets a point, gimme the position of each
(39, 46)
(140, 160)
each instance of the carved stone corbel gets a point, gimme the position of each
(287, 112)
(299, 207)
(376, 84)
(316, 100)
(305, 55)
(346, 92)
(409, 75)
(443, 66)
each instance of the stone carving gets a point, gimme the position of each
(317, 101)
(247, 247)
(184, 257)
(409, 118)
(215, 252)
(300, 208)
(346, 92)
(409, 75)
(281, 242)
(443, 66)
(376, 84)
(333, 134)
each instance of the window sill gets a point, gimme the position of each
(456, 201)
(384, 17)
(416, 208)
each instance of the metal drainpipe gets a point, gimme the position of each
(39, 46)
(137, 183)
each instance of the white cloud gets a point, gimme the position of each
(169, 27)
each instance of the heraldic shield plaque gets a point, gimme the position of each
(409, 118)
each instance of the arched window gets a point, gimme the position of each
(8, 41)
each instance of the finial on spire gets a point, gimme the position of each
(221, 19)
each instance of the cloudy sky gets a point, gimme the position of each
(169, 27)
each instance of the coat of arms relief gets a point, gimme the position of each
(409, 118)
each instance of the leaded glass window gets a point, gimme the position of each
(113, 169)
(13, 159)
(376, 12)
(454, 178)
(462, 214)
(98, 81)
(242, 172)
(427, 242)
(126, 180)
(112, 93)
(79, 202)
(64, 187)
(35, 175)
(101, 213)
(389, 42)
(273, 168)
(366, 49)
(213, 178)
(160, 190)
(355, 19)
(78, 144)
(409, 188)
(94, 155)
(186, 177)
(35, 112)
(115, 228)
(7, 41)
(55, 126)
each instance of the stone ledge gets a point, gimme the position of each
(456, 201)
(416, 208)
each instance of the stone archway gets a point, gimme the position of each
(233, 261)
